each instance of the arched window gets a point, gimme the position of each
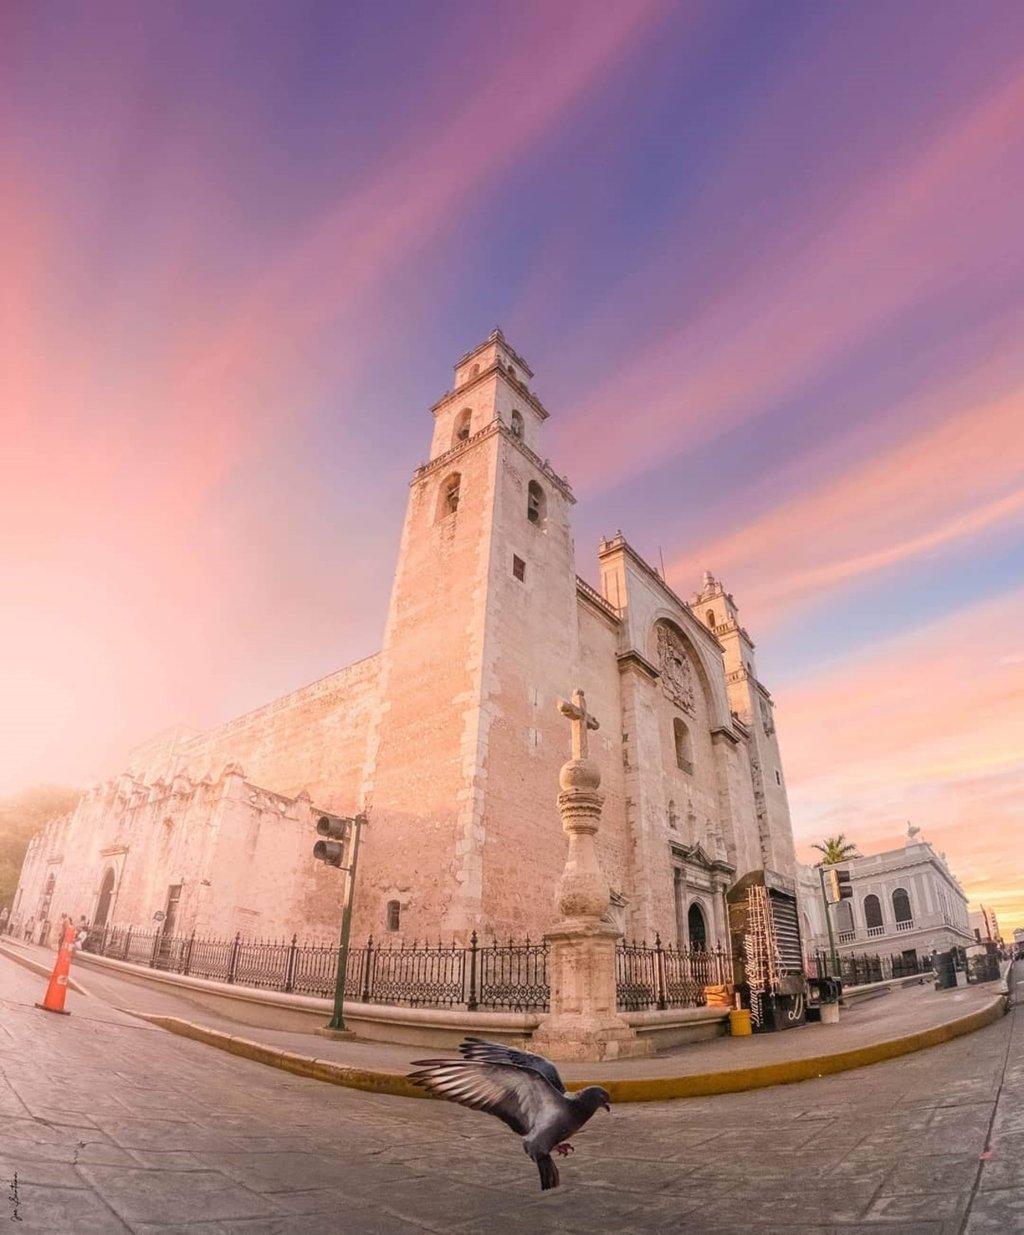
(462, 426)
(684, 748)
(517, 424)
(394, 915)
(873, 914)
(844, 920)
(710, 618)
(697, 928)
(901, 907)
(448, 496)
(536, 504)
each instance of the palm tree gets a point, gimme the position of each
(836, 849)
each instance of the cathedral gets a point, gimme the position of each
(450, 739)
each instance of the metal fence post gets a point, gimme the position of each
(472, 1003)
(188, 953)
(367, 964)
(659, 967)
(233, 965)
(289, 972)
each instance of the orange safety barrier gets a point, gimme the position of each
(53, 1001)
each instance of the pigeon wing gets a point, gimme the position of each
(519, 1097)
(495, 1052)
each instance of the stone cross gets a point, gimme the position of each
(581, 722)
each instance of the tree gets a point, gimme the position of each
(21, 817)
(836, 849)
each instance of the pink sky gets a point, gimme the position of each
(770, 279)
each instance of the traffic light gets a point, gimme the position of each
(839, 886)
(337, 828)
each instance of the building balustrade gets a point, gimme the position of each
(908, 925)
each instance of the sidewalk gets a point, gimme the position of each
(911, 1018)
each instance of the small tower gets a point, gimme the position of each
(752, 703)
(480, 638)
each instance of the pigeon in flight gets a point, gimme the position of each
(523, 1090)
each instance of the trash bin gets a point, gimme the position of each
(739, 1023)
(945, 971)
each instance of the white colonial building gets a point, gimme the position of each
(905, 901)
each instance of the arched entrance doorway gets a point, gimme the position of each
(103, 904)
(697, 928)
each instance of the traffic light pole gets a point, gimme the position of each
(337, 1021)
(828, 923)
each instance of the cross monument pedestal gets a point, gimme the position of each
(584, 1023)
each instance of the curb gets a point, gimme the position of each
(44, 971)
(652, 1089)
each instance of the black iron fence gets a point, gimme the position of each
(664, 977)
(500, 975)
(495, 976)
(859, 969)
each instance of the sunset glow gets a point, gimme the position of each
(766, 262)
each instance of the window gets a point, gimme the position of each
(512, 373)
(536, 504)
(709, 617)
(684, 750)
(673, 818)
(394, 914)
(873, 914)
(518, 568)
(901, 906)
(448, 496)
(844, 919)
(475, 371)
(463, 423)
(778, 777)
(517, 424)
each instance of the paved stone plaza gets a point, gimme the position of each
(111, 1125)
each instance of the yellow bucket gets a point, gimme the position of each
(739, 1023)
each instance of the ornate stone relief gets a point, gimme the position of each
(767, 720)
(676, 670)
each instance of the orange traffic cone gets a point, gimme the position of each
(53, 1001)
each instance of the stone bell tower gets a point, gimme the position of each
(480, 639)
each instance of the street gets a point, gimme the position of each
(110, 1125)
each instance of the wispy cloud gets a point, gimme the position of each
(830, 282)
(949, 483)
(927, 727)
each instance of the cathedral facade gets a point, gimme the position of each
(450, 738)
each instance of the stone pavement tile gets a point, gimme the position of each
(60, 1211)
(138, 1195)
(29, 1170)
(81, 1147)
(352, 1222)
(905, 1207)
(26, 1128)
(163, 1134)
(1002, 1171)
(60, 1117)
(933, 1173)
(440, 1207)
(626, 1174)
(595, 1209)
(167, 1159)
(996, 1213)
(270, 1172)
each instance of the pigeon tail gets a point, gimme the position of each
(548, 1172)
